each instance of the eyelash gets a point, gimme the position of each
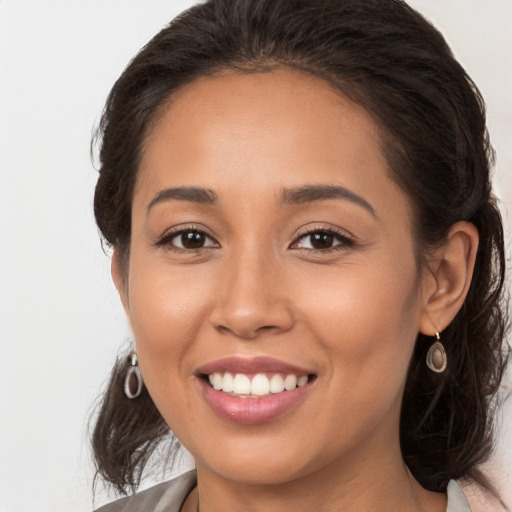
(345, 241)
(166, 240)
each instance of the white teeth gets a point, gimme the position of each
(276, 384)
(241, 384)
(227, 383)
(216, 381)
(290, 382)
(259, 385)
(302, 381)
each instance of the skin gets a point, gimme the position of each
(350, 313)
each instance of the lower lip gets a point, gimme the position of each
(250, 411)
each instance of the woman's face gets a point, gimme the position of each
(271, 248)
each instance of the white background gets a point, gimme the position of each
(61, 324)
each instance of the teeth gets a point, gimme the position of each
(259, 385)
(290, 382)
(302, 381)
(217, 381)
(276, 383)
(241, 384)
(227, 383)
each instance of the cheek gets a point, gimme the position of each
(366, 320)
(166, 308)
(365, 325)
(164, 298)
(159, 317)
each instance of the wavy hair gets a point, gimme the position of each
(386, 57)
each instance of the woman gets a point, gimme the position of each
(311, 259)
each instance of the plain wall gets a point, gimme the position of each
(61, 324)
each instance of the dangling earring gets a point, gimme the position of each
(133, 372)
(436, 356)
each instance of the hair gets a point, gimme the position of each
(386, 57)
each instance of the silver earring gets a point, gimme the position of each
(436, 356)
(133, 374)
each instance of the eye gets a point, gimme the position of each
(187, 239)
(321, 239)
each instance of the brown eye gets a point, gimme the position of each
(322, 240)
(188, 239)
(192, 240)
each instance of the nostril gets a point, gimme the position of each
(267, 327)
(249, 319)
(247, 328)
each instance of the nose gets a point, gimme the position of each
(252, 298)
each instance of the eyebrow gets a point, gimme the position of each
(299, 195)
(193, 194)
(311, 193)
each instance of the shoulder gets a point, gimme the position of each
(170, 494)
(480, 499)
(457, 501)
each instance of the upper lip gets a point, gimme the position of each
(250, 365)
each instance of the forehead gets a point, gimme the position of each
(249, 128)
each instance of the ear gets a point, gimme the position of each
(116, 270)
(446, 282)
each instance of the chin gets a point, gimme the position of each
(261, 460)
(257, 471)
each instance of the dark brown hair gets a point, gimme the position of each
(388, 58)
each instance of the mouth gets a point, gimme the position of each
(252, 391)
(257, 385)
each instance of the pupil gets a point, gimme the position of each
(192, 240)
(322, 240)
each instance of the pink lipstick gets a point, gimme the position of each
(253, 390)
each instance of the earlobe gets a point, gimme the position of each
(447, 281)
(116, 271)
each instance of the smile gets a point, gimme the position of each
(261, 384)
(253, 390)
